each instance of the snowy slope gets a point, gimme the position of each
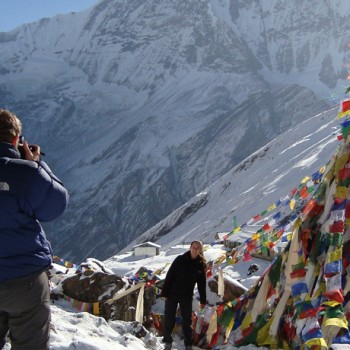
(253, 185)
(82, 331)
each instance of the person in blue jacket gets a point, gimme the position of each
(29, 193)
(185, 272)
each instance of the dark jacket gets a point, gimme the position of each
(29, 193)
(182, 276)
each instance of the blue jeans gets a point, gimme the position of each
(169, 319)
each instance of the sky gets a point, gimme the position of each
(16, 12)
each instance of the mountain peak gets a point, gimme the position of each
(140, 106)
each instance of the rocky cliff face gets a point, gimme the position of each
(139, 106)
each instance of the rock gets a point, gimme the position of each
(231, 292)
(125, 307)
(90, 286)
(97, 286)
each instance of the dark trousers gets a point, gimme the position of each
(25, 312)
(169, 320)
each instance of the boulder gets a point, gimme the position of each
(232, 290)
(124, 308)
(91, 286)
(96, 286)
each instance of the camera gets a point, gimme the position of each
(21, 148)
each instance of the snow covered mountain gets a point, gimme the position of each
(139, 106)
(262, 179)
(252, 186)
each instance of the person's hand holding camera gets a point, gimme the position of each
(31, 152)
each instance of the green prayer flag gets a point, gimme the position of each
(275, 271)
(226, 317)
(334, 239)
(335, 312)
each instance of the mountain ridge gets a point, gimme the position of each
(141, 106)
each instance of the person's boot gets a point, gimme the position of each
(167, 346)
(188, 347)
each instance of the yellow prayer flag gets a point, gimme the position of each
(305, 179)
(159, 271)
(335, 255)
(271, 207)
(297, 224)
(229, 328)
(292, 204)
(96, 308)
(341, 192)
(317, 270)
(230, 261)
(343, 114)
(338, 322)
(300, 260)
(220, 259)
(285, 345)
(246, 321)
(255, 236)
(318, 342)
(341, 161)
(322, 169)
(331, 303)
(263, 336)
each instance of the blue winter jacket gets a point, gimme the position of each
(29, 193)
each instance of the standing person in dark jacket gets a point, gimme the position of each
(185, 271)
(29, 192)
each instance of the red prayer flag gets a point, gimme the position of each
(247, 331)
(345, 105)
(257, 217)
(298, 273)
(266, 227)
(311, 312)
(336, 295)
(251, 245)
(337, 226)
(347, 210)
(246, 257)
(215, 338)
(344, 173)
(209, 272)
(304, 193)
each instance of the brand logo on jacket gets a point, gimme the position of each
(4, 186)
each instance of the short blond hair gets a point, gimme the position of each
(10, 126)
